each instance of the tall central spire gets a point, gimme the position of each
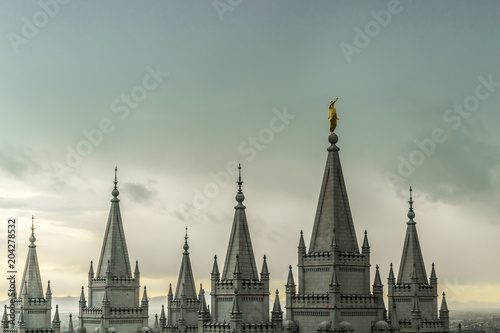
(185, 282)
(333, 212)
(114, 246)
(31, 283)
(412, 261)
(240, 243)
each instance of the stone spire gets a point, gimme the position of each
(277, 313)
(156, 327)
(215, 268)
(444, 306)
(302, 244)
(377, 283)
(202, 309)
(70, 324)
(185, 282)
(31, 283)
(412, 261)
(163, 318)
(391, 277)
(366, 246)
(333, 208)
(114, 246)
(290, 284)
(264, 273)
(235, 310)
(240, 243)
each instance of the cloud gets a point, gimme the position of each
(17, 161)
(140, 193)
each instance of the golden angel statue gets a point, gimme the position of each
(332, 115)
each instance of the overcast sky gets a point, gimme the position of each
(175, 93)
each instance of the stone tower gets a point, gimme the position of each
(334, 276)
(413, 299)
(32, 309)
(113, 292)
(240, 299)
(184, 305)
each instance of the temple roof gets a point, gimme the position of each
(412, 262)
(31, 283)
(333, 212)
(114, 246)
(185, 282)
(240, 243)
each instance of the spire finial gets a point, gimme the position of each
(115, 192)
(411, 213)
(239, 196)
(32, 237)
(186, 246)
(240, 182)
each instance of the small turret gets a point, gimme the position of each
(277, 314)
(70, 324)
(302, 244)
(334, 282)
(5, 319)
(366, 246)
(82, 301)
(215, 270)
(203, 313)
(106, 310)
(290, 291)
(237, 269)
(290, 284)
(91, 270)
(444, 307)
(163, 318)
(264, 273)
(137, 274)
(156, 327)
(21, 323)
(378, 287)
(48, 293)
(170, 294)
(391, 279)
(145, 300)
(56, 323)
(433, 277)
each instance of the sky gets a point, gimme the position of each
(175, 93)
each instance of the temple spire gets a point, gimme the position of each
(240, 242)
(333, 211)
(114, 246)
(366, 246)
(290, 284)
(444, 305)
(277, 306)
(31, 283)
(264, 273)
(412, 266)
(70, 324)
(185, 282)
